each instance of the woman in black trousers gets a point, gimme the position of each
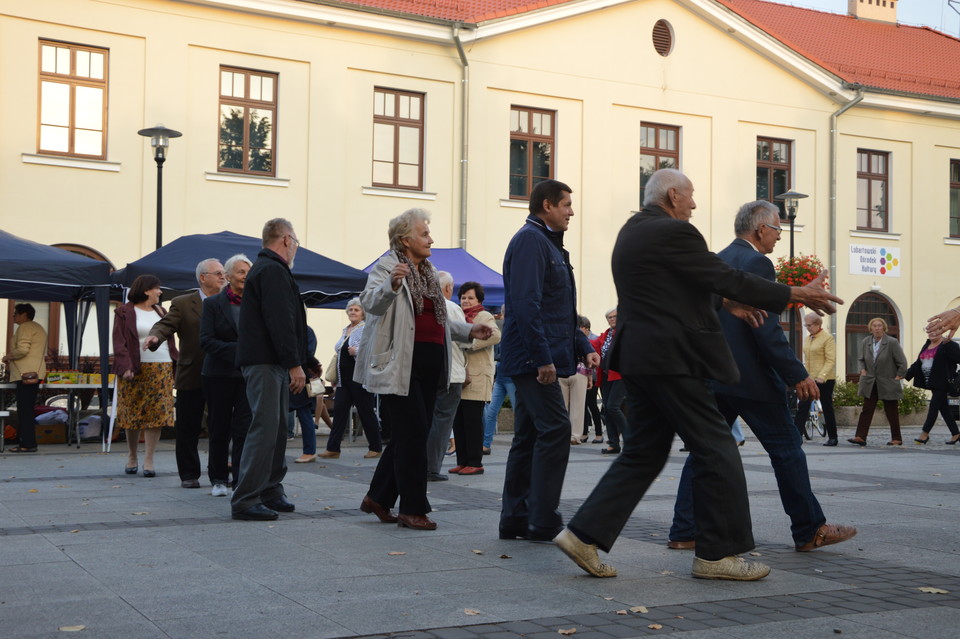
(937, 361)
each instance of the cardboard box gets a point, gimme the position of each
(52, 434)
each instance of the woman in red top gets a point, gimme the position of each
(611, 387)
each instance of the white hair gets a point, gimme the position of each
(234, 260)
(658, 186)
(444, 279)
(402, 226)
(200, 270)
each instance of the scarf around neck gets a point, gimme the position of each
(423, 283)
(471, 312)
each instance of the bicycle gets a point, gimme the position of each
(815, 421)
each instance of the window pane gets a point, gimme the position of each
(541, 160)
(879, 202)
(231, 157)
(780, 153)
(518, 186)
(89, 114)
(763, 150)
(668, 163)
(87, 142)
(255, 83)
(647, 136)
(63, 61)
(261, 160)
(514, 120)
(954, 211)
(383, 143)
(547, 121)
(383, 172)
(226, 83)
(378, 102)
(523, 124)
(261, 126)
(537, 124)
(409, 152)
(518, 157)
(96, 66)
(54, 138)
(55, 103)
(231, 125)
(266, 90)
(763, 183)
(954, 171)
(780, 183)
(668, 139)
(48, 59)
(648, 164)
(863, 200)
(83, 64)
(408, 175)
(404, 106)
(390, 105)
(238, 91)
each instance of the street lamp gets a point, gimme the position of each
(789, 200)
(159, 140)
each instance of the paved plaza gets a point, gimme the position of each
(83, 545)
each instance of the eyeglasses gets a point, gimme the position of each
(217, 273)
(778, 229)
(294, 239)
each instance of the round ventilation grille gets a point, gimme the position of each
(663, 37)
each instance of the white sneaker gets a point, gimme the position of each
(220, 490)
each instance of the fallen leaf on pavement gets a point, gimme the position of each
(33, 490)
(640, 609)
(75, 531)
(934, 591)
(396, 552)
(567, 631)
(937, 474)
(755, 554)
(621, 612)
(471, 611)
(328, 507)
(505, 557)
(477, 552)
(141, 512)
(666, 572)
(654, 626)
(71, 628)
(609, 598)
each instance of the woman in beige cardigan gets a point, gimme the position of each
(468, 424)
(882, 366)
(26, 357)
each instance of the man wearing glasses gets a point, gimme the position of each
(184, 320)
(271, 344)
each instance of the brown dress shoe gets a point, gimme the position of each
(383, 514)
(417, 522)
(329, 454)
(827, 535)
(372, 454)
(471, 470)
(681, 545)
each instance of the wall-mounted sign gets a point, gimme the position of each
(878, 261)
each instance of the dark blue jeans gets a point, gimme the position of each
(773, 426)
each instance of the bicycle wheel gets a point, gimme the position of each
(810, 428)
(820, 424)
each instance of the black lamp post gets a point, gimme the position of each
(159, 140)
(789, 200)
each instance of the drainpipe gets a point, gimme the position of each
(834, 135)
(464, 147)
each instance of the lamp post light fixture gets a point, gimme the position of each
(789, 200)
(159, 140)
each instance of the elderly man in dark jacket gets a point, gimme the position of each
(271, 343)
(541, 342)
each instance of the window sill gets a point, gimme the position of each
(402, 193)
(953, 241)
(876, 235)
(239, 178)
(514, 204)
(72, 163)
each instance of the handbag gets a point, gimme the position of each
(330, 374)
(29, 379)
(316, 387)
(953, 384)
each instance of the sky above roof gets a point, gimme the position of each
(936, 14)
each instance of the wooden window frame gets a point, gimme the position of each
(246, 104)
(533, 138)
(772, 165)
(658, 152)
(397, 122)
(73, 81)
(954, 212)
(871, 177)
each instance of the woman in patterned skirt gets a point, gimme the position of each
(144, 378)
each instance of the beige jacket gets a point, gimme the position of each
(29, 351)
(480, 365)
(820, 355)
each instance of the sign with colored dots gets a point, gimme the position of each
(877, 261)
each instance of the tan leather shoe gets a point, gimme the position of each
(827, 535)
(305, 459)
(584, 555)
(417, 522)
(329, 454)
(681, 545)
(372, 454)
(383, 514)
(732, 568)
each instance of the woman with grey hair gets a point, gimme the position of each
(349, 393)
(404, 356)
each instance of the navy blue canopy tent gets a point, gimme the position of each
(466, 268)
(323, 282)
(37, 272)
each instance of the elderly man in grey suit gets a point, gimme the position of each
(184, 320)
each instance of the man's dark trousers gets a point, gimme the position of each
(189, 421)
(772, 424)
(659, 407)
(538, 457)
(263, 464)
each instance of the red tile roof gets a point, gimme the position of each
(467, 11)
(895, 57)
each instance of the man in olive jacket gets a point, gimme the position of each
(271, 342)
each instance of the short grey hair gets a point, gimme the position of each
(752, 214)
(354, 301)
(612, 310)
(200, 269)
(234, 260)
(275, 229)
(402, 226)
(444, 279)
(658, 186)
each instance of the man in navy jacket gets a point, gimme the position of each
(541, 342)
(767, 366)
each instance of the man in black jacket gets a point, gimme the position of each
(668, 345)
(271, 343)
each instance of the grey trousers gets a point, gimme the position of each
(444, 412)
(263, 464)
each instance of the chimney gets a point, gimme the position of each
(879, 10)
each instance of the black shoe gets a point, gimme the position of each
(924, 441)
(952, 441)
(256, 513)
(130, 470)
(437, 477)
(149, 473)
(606, 451)
(190, 483)
(281, 505)
(510, 532)
(830, 442)
(535, 533)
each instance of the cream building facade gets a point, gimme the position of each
(365, 111)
